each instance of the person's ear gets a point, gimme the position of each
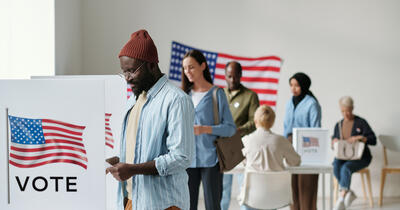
(203, 66)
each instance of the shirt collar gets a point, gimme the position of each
(261, 129)
(157, 87)
(151, 93)
(239, 90)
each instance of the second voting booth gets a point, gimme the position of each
(55, 135)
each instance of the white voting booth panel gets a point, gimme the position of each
(115, 104)
(313, 145)
(61, 184)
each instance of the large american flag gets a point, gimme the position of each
(109, 135)
(37, 142)
(258, 74)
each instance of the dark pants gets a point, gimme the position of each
(212, 185)
(304, 191)
(343, 169)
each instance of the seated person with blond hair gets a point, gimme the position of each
(265, 150)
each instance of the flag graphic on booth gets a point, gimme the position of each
(109, 135)
(259, 74)
(129, 91)
(37, 142)
(310, 142)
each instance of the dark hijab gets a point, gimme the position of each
(305, 83)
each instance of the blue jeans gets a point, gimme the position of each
(343, 169)
(226, 191)
(240, 178)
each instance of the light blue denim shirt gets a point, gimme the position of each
(165, 134)
(206, 154)
(306, 115)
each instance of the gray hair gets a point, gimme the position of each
(346, 101)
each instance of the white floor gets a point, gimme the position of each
(359, 204)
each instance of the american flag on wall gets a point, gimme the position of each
(310, 142)
(109, 135)
(258, 74)
(37, 142)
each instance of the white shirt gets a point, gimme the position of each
(197, 96)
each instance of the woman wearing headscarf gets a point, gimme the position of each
(302, 111)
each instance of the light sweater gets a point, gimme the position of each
(266, 151)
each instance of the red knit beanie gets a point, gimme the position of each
(140, 46)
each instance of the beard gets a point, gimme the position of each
(143, 83)
(233, 86)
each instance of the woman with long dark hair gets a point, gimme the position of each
(302, 111)
(197, 82)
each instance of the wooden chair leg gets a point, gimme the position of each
(371, 201)
(335, 189)
(363, 186)
(383, 177)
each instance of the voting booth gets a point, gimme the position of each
(115, 104)
(313, 145)
(55, 135)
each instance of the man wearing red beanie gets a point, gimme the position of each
(157, 142)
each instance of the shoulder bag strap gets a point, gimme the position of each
(215, 106)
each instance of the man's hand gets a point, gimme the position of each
(122, 171)
(200, 129)
(239, 131)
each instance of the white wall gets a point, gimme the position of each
(346, 47)
(27, 38)
(68, 37)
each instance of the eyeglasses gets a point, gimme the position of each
(129, 73)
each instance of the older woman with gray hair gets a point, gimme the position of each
(353, 128)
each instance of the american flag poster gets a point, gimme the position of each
(260, 74)
(37, 142)
(310, 142)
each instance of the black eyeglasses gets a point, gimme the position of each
(128, 73)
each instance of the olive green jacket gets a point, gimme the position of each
(243, 104)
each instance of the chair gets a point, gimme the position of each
(266, 190)
(363, 172)
(391, 143)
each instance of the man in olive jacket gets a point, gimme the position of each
(242, 103)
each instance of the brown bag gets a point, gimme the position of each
(229, 149)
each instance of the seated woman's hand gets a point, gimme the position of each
(361, 138)
(335, 140)
(355, 138)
